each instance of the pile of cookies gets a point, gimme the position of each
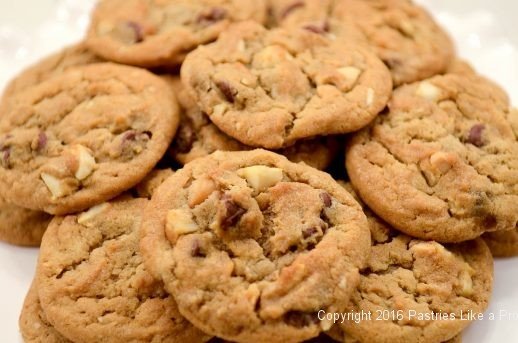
(258, 171)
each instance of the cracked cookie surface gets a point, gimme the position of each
(151, 33)
(34, 326)
(406, 274)
(94, 287)
(403, 35)
(442, 162)
(198, 137)
(273, 88)
(20, 226)
(252, 245)
(84, 136)
(72, 56)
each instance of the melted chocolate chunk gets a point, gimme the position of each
(309, 232)
(6, 155)
(326, 199)
(185, 138)
(137, 30)
(214, 15)
(42, 140)
(227, 91)
(320, 29)
(475, 135)
(300, 319)
(233, 212)
(197, 250)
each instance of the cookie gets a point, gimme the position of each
(403, 34)
(502, 244)
(84, 136)
(94, 287)
(339, 336)
(271, 88)
(198, 137)
(442, 162)
(252, 246)
(406, 278)
(147, 187)
(20, 226)
(157, 33)
(71, 56)
(33, 322)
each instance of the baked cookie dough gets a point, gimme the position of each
(20, 226)
(403, 34)
(33, 322)
(84, 137)
(198, 137)
(151, 33)
(94, 287)
(442, 162)
(502, 244)
(147, 187)
(252, 246)
(406, 278)
(271, 88)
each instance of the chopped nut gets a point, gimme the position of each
(465, 283)
(201, 189)
(428, 91)
(218, 110)
(86, 162)
(350, 73)
(326, 323)
(370, 97)
(105, 27)
(55, 185)
(407, 27)
(179, 222)
(241, 46)
(85, 218)
(343, 283)
(261, 177)
(443, 161)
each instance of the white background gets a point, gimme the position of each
(486, 33)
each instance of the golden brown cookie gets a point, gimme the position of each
(271, 88)
(84, 136)
(403, 34)
(69, 57)
(94, 287)
(154, 33)
(147, 187)
(33, 322)
(442, 162)
(252, 246)
(418, 291)
(198, 137)
(20, 226)
(502, 243)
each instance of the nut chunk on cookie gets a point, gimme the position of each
(151, 33)
(271, 88)
(93, 285)
(84, 136)
(442, 163)
(252, 246)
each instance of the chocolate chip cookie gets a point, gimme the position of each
(155, 33)
(502, 244)
(406, 278)
(403, 34)
(147, 187)
(271, 88)
(198, 137)
(94, 287)
(20, 226)
(84, 136)
(71, 56)
(252, 246)
(33, 322)
(442, 162)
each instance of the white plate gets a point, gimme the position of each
(483, 31)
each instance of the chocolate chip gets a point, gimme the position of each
(233, 212)
(475, 135)
(326, 198)
(130, 135)
(293, 6)
(185, 138)
(42, 140)
(6, 155)
(197, 250)
(293, 248)
(214, 15)
(393, 63)
(309, 232)
(137, 30)
(227, 91)
(490, 222)
(300, 319)
(320, 29)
